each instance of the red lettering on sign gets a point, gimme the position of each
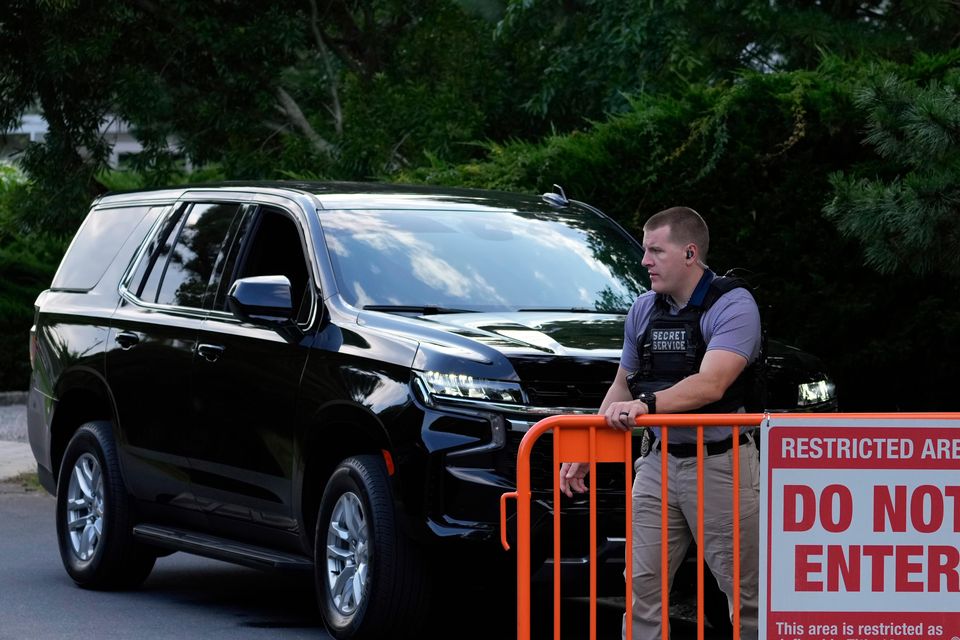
(954, 492)
(838, 565)
(905, 568)
(844, 514)
(802, 496)
(884, 508)
(805, 567)
(943, 562)
(929, 508)
(877, 553)
(917, 508)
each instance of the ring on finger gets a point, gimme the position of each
(624, 413)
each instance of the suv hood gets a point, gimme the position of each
(539, 333)
(563, 359)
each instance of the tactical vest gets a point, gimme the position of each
(672, 348)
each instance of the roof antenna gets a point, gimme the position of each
(558, 198)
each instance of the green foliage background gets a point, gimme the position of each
(820, 140)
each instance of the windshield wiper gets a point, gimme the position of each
(574, 310)
(426, 310)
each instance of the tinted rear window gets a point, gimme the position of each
(95, 246)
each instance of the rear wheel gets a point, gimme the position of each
(94, 523)
(370, 580)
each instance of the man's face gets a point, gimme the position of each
(664, 260)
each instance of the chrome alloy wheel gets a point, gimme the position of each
(85, 506)
(347, 553)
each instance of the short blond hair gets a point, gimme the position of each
(686, 227)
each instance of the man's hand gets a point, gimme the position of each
(623, 415)
(571, 477)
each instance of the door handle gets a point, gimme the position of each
(210, 352)
(127, 339)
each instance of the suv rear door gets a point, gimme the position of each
(151, 346)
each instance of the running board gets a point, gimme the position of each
(220, 548)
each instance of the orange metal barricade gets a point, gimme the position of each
(579, 438)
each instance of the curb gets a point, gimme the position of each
(15, 458)
(12, 397)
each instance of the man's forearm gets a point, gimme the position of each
(718, 371)
(689, 394)
(618, 392)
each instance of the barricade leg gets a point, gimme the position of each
(718, 536)
(646, 613)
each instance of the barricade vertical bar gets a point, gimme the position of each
(628, 560)
(736, 532)
(523, 545)
(593, 533)
(664, 538)
(700, 505)
(556, 535)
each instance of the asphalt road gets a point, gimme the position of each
(191, 597)
(185, 596)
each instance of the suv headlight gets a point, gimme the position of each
(816, 392)
(439, 385)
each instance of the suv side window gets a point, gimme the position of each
(179, 262)
(95, 246)
(191, 262)
(146, 278)
(273, 247)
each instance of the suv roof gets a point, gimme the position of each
(353, 195)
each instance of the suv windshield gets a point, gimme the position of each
(486, 260)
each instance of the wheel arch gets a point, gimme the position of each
(83, 397)
(337, 432)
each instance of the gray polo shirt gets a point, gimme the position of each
(731, 324)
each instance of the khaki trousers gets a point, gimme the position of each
(682, 529)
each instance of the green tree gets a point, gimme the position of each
(27, 264)
(904, 207)
(343, 88)
(585, 57)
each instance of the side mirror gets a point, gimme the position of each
(263, 300)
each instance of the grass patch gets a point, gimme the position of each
(27, 481)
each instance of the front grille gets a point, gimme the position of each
(583, 395)
(565, 381)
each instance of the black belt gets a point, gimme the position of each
(689, 449)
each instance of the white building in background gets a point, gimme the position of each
(33, 128)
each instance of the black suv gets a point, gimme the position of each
(324, 376)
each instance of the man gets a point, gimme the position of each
(687, 346)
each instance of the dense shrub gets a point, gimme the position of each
(27, 264)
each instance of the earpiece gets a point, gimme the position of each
(689, 253)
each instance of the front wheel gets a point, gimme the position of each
(370, 580)
(94, 524)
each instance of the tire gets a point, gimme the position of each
(370, 580)
(94, 521)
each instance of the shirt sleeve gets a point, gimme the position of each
(733, 324)
(636, 321)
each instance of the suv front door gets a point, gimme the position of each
(246, 377)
